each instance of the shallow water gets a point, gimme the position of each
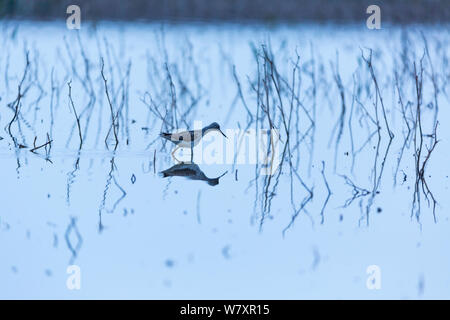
(134, 234)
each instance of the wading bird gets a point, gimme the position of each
(190, 171)
(189, 139)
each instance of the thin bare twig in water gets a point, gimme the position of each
(49, 149)
(350, 128)
(76, 115)
(433, 79)
(425, 189)
(328, 195)
(340, 123)
(72, 227)
(15, 105)
(417, 145)
(287, 126)
(277, 104)
(105, 193)
(123, 195)
(303, 204)
(41, 146)
(71, 177)
(408, 133)
(420, 182)
(52, 95)
(113, 117)
(173, 95)
(357, 192)
(154, 161)
(377, 177)
(266, 109)
(369, 64)
(314, 107)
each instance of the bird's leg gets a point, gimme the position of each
(173, 154)
(192, 153)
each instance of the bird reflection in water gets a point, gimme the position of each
(190, 171)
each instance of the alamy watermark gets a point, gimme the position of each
(240, 147)
(374, 20)
(74, 20)
(73, 281)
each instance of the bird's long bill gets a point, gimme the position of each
(223, 134)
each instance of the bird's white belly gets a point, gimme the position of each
(184, 144)
(187, 144)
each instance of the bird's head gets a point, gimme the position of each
(215, 181)
(215, 126)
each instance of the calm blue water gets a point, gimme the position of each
(134, 234)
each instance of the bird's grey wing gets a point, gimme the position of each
(181, 136)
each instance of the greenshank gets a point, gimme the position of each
(190, 171)
(189, 139)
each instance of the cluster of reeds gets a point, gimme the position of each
(285, 91)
